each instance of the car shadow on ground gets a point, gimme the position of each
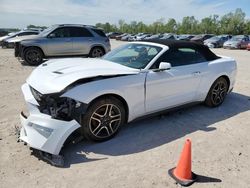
(152, 132)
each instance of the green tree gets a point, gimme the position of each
(171, 26)
(209, 25)
(189, 25)
(233, 23)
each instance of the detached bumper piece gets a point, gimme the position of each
(42, 132)
(55, 160)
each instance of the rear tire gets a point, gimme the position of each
(33, 56)
(96, 52)
(217, 93)
(103, 119)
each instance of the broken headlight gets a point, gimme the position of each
(58, 107)
(36, 94)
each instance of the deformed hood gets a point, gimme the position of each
(55, 75)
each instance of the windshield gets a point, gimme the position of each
(215, 38)
(45, 32)
(237, 38)
(133, 55)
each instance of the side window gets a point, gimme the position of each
(23, 34)
(80, 32)
(99, 32)
(62, 32)
(180, 57)
(28, 33)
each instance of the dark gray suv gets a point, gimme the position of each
(63, 40)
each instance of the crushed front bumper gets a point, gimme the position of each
(41, 131)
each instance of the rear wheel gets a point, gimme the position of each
(96, 52)
(217, 93)
(103, 119)
(33, 56)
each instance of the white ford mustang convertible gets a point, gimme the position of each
(97, 96)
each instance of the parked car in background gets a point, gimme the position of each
(142, 37)
(168, 36)
(248, 46)
(185, 37)
(200, 38)
(6, 36)
(134, 38)
(217, 41)
(10, 43)
(98, 96)
(120, 36)
(112, 35)
(237, 42)
(156, 36)
(63, 40)
(128, 37)
(17, 34)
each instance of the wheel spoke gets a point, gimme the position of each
(99, 115)
(99, 131)
(115, 117)
(98, 127)
(107, 130)
(110, 110)
(218, 99)
(98, 120)
(111, 128)
(106, 110)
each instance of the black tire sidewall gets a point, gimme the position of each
(93, 106)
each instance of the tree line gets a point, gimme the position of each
(233, 23)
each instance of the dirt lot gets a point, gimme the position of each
(142, 153)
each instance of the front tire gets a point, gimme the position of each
(103, 119)
(217, 93)
(33, 56)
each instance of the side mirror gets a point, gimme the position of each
(51, 35)
(164, 66)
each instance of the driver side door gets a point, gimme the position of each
(59, 42)
(176, 86)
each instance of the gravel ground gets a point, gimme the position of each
(142, 153)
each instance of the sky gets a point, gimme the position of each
(20, 13)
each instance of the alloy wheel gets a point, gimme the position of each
(219, 92)
(105, 120)
(33, 56)
(97, 52)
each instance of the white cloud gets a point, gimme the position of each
(16, 13)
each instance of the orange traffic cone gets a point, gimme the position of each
(182, 173)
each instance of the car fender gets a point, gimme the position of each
(33, 43)
(130, 87)
(221, 67)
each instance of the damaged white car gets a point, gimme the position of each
(98, 96)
